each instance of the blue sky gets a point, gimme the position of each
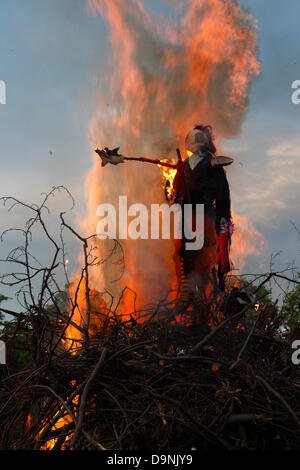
(267, 185)
(53, 55)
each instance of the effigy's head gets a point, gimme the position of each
(200, 140)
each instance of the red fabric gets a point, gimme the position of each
(223, 255)
(178, 180)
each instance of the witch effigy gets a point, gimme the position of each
(200, 180)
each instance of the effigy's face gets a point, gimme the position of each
(196, 141)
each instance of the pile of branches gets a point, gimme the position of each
(160, 386)
(157, 384)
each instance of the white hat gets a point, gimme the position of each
(196, 141)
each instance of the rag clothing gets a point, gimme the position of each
(197, 181)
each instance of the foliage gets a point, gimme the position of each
(263, 293)
(291, 307)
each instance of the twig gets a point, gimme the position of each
(84, 398)
(92, 441)
(280, 397)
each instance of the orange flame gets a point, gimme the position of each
(168, 72)
(168, 175)
(78, 309)
(61, 422)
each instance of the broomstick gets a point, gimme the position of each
(114, 158)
